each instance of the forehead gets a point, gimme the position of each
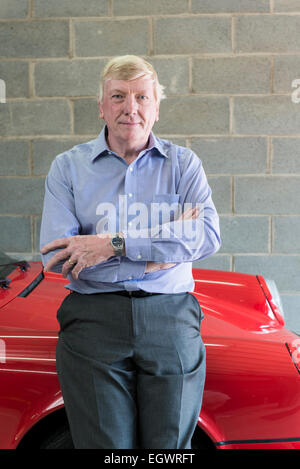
(130, 86)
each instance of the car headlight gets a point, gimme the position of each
(272, 294)
(275, 295)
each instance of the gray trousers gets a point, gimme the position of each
(131, 370)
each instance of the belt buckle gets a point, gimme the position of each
(137, 293)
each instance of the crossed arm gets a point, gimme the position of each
(86, 253)
(82, 251)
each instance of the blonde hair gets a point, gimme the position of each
(130, 67)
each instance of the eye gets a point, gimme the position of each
(117, 97)
(142, 97)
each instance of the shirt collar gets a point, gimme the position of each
(101, 148)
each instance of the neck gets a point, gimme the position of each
(126, 150)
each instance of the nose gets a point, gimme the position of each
(130, 105)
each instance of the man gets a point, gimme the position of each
(130, 358)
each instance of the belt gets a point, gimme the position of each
(135, 293)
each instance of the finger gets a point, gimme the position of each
(149, 266)
(56, 244)
(186, 214)
(77, 269)
(196, 212)
(190, 214)
(167, 266)
(68, 265)
(55, 259)
(155, 266)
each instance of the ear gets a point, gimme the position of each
(157, 112)
(101, 113)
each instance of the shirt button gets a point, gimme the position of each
(129, 195)
(139, 256)
(129, 223)
(131, 169)
(129, 278)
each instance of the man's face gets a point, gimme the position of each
(130, 110)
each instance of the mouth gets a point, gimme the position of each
(130, 124)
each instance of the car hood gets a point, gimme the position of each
(19, 281)
(233, 303)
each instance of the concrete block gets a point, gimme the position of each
(14, 158)
(193, 115)
(285, 270)
(286, 70)
(21, 196)
(37, 231)
(232, 155)
(232, 75)
(286, 5)
(221, 193)
(244, 234)
(192, 35)
(68, 77)
(14, 9)
(86, 117)
(177, 141)
(271, 115)
(286, 155)
(286, 237)
(111, 37)
(144, 7)
(15, 233)
(70, 8)
(15, 75)
(230, 6)
(291, 308)
(267, 33)
(35, 117)
(173, 74)
(34, 39)
(267, 195)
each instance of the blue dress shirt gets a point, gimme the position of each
(90, 189)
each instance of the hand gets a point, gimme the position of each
(151, 266)
(154, 266)
(81, 251)
(189, 214)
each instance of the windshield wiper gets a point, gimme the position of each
(22, 264)
(4, 282)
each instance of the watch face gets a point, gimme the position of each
(117, 242)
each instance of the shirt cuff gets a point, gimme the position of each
(137, 248)
(130, 270)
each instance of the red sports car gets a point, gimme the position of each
(252, 390)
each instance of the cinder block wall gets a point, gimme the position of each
(228, 67)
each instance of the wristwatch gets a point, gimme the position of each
(117, 243)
